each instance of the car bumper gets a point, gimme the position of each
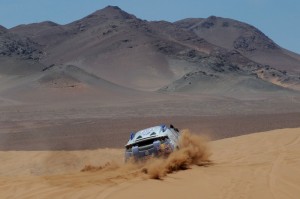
(156, 149)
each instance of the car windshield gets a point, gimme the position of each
(147, 142)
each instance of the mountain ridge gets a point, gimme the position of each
(248, 40)
(158, 54)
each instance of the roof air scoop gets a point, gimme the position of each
(163, 128)
(131, 135)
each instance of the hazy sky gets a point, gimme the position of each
(278, 19)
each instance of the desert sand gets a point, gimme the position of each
(260, 165)
(70, 94)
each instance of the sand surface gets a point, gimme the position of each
(261, 165)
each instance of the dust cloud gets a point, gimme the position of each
(193, 150)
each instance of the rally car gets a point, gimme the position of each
(155, 141)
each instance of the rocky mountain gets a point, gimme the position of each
(2, 29)
(15, 45)
(212, 56)
(246, 39)
(19, 56)
(228, 33)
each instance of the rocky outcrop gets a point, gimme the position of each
(13, 45)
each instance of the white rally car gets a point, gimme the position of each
(154, 141)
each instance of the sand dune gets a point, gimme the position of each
(261, 165)
(86, 84)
